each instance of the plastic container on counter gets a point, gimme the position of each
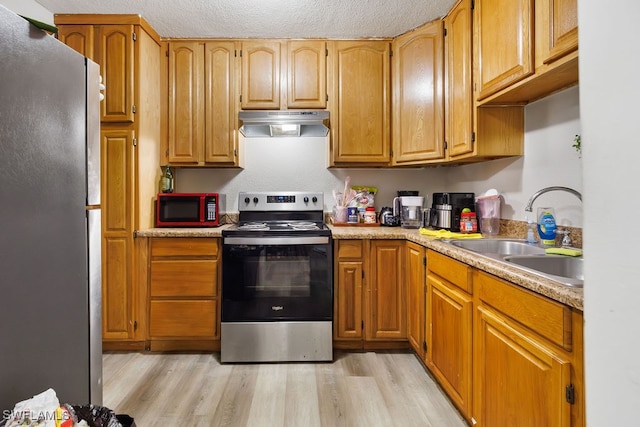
(370, 215)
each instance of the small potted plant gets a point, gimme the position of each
(577, 145)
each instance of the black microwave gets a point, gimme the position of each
(188, 210)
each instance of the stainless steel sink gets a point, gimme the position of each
(569, 269)
(532, 258)
(502, 247)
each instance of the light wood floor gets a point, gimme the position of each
(357, 389)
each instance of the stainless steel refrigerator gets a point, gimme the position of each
(50, 279)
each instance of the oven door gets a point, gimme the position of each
(280, 278)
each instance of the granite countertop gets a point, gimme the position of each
(572, 297)
(182, 232)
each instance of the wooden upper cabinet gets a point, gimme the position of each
(115, 54)
(221, 115)
(112, 47)
(78, 37)
(537, 54)
(307, 74)
(556, 29)
(202, 114)
(459, 130)
(261, 75)
(504, 36)
(359, 101)
(185, 118)
(418, 104)
(284, 74)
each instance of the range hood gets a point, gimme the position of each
(283, 123)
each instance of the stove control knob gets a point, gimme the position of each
(314, 199)
(255, 200)
(246, 200)
(306, 199)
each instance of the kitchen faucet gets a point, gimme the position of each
(538, 193)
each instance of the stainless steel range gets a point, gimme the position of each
(277, 280)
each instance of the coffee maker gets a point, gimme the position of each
(446, 209)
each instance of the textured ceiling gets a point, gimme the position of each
(335, 19)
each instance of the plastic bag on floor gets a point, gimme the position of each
(96, 416)
(42, 410)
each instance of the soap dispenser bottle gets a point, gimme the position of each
(531, 232)
(547, 226)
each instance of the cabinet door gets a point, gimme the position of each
(185, 121)
(519, 380)
(348, 300)
(418, 104)
(220, 103)
(386, 292)
(557, 22)
(78, 37)
(360, 102)
(307, 74)
(459, 90)
(117, 156)
(261, 75)
(509, 25)
(115, 54)
(416, 294)
(449, 337)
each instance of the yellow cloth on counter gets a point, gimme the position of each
(446, 234)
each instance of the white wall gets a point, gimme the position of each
(550, 127)
(609, 94)
(29, 8)
(300, 164)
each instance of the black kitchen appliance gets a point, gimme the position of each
(277, 280)
(446, 209)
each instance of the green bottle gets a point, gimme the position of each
(166, 181)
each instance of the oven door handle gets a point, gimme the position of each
(302, 240)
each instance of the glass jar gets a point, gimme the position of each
(370, 215)
(166, 180)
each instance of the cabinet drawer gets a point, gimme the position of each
(548, 318)
(173, 318)
(180, 246)
(456, 272)
(184, 278)
(350, 249)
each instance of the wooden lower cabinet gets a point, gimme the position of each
(528, 358)
(386, 310)
(415, 259)
(449, 327)
(348, 322)
(184, 289)
(369, 294)
(504, 355)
